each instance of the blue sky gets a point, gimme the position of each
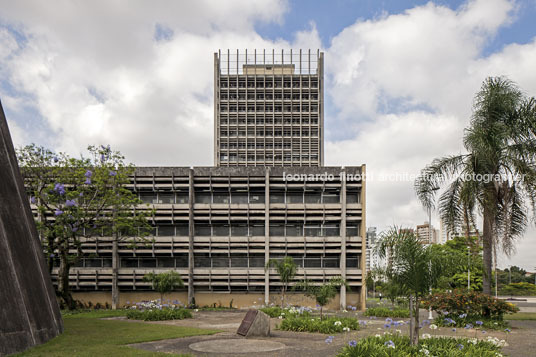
(400, 77)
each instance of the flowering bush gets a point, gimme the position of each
(386, 312)
(398, 345)
(470, 304)
(276, 311)
(156, 311)
(519, 289)
(305, 323)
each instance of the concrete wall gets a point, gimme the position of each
(29, 313)
(239, 300)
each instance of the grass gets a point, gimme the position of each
(521, 316)
(87, 335)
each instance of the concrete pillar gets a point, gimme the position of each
(363, 239)
(343, 238)
(191, 198)
(267, 236)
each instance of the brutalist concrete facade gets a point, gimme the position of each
(29, 313)
(218, 227)
(268, 108)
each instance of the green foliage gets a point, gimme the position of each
(159, 314)
(276, 311)
(497, 175)
(474, 304)
(305, 323)
(386, 312)
(324, 293)
(79, 199)
(90, 335)
(399, 346)
(462, 259)
(479, 322)
(273, 311)
(519, 289)
(286, 268)
(164, 282)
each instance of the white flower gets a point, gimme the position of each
(280, 317)
(337, 323)
(346, 329)
(433, 327)
(474, 341)
(344, 310)
(398, 331)
(425, 351)
(378, 335)
(196, 310)
(426, 335)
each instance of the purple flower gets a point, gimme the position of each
(56, 159)
(507, 330)
(352, 343)
(113, 173)
(468, 326)
(426, 322)
(329, 339)
(58, 212)
(389, 320)
(354, 308)
(88, 173)
(52, 255)
(33, 200)
(389, 344)
(460, 346)
(88, 181)
(59, 188)
(102, 158)
(463, 316)
(387, 326)
(445, 313)
(479, 323)
(74, 229)
(70, 203)
(483, 331)
(453, 330)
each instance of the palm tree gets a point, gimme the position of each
(413, 267)
(286, 268)
(497, 175)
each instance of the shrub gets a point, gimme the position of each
(159, 314)
(398, 345)
(466, 321)
(471, 303)
(276, 311)
(304, 323)
(386, 312)
(519, 289)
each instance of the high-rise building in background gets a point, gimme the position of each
(371, 258)
(219, 226)
(268, 108)
(427, 234)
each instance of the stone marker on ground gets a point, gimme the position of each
(29, 312)
(255, 323)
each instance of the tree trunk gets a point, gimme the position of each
(115, 272)
(487, 253)
(321, 313)
(415, 340)
(63, 282)
(283, 296)
(411, 321)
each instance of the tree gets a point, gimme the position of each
(77, 200)
(286, 268)
(470, 259)
(413, 267)
(497, 175)
(323, 293)
(164, 282)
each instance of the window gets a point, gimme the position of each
(166, 231)
(277, 230)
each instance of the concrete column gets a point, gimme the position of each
(363, 239)
(343, 239)
(191, 198)
(267, 235)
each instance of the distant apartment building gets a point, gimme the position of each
(268, 196)
(427, 233)
(371, 257)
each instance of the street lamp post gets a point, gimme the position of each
(468, 268)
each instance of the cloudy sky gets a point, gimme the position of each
(400, 78)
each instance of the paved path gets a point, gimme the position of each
(521, 342)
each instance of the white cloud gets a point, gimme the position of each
(401, 84)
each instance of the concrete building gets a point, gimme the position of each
(268, 108)
(371, 259)
(268, 197)
(427, 234)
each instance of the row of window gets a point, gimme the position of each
(269, 96)
(269, 108)
(269, 132)
(251, 144)
(267, 157)
(299, 119)
(244, 197)
(268, 83)
(215, 261)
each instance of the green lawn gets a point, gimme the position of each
(521, 316)
(87, 335)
